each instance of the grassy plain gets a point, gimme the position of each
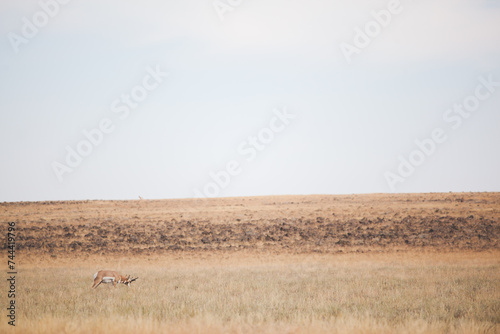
(307, 264)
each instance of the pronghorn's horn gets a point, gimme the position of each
(133, 279)
(128, 278)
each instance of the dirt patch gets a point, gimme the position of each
(295, 224)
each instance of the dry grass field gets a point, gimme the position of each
(412, 263)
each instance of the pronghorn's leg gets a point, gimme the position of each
(96, 285)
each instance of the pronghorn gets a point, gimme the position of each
(109, 276)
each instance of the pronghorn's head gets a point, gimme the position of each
(129, 280)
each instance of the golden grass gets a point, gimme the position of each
(247, 209)
(378, 263)
(242, 293)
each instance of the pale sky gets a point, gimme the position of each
(115, 99)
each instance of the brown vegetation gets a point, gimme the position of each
(414, 263)
(325, 224)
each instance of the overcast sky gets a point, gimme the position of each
(115, 99)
